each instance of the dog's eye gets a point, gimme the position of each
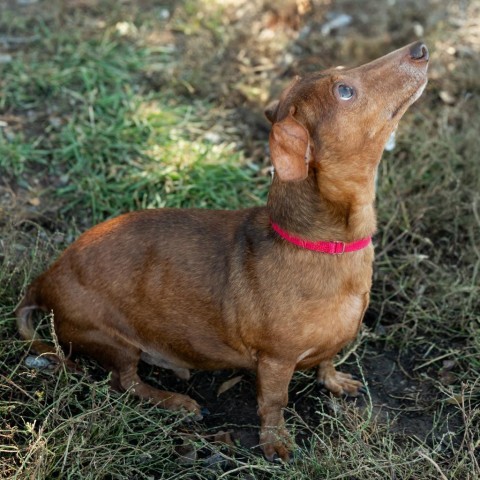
(344, 91)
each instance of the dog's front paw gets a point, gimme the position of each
(276, 443)
(339, 383)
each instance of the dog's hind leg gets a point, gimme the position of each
(121, 358)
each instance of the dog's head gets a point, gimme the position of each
(329, 118)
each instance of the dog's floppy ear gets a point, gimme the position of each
(290, 148)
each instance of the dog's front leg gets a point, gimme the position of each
(273, 377)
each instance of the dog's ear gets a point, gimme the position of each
(290, 148)
(271, 109)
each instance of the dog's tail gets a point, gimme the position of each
(24, 314)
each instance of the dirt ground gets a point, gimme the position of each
(404, 403)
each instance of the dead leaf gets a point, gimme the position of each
(227, 385)
(447, 378)
(455, 399)
(34, 201)
(448, 364)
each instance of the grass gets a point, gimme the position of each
(109, 107)
(119, 149)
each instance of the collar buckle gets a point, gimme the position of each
(338, 248)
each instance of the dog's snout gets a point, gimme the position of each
(419, 51)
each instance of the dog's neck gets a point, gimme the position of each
(319, 209)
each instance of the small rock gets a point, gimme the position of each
(58, 238)
(337, 20)
(418, 29)
(164, 14)
(55, 122)
(213, 137)
(447, 97)
(288, 58)
(448, 364)
(125, 28)
(215, 459)
(380, 329)
(38, 363)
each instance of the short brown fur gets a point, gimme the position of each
(204, 289)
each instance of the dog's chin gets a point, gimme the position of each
(398, 112)
(419, 92)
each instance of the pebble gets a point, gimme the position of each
(337, 20)
(37, 363)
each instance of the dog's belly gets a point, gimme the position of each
(196, 344)
(169, 362)
(214, 356)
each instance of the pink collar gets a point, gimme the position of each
(332, 248)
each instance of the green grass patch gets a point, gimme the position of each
(109, 147)
(132, 161)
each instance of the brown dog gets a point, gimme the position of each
(274, 288)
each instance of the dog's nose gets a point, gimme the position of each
(419, 51)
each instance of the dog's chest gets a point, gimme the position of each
(316, 308)
(326, 327)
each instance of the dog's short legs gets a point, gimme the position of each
(121, 358)
(128, 379)
(273, 378)
(337, 382)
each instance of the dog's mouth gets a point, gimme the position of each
(414, 67)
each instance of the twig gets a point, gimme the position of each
(435, 464)
(7, 39)
(6, 379)
(433, 360)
